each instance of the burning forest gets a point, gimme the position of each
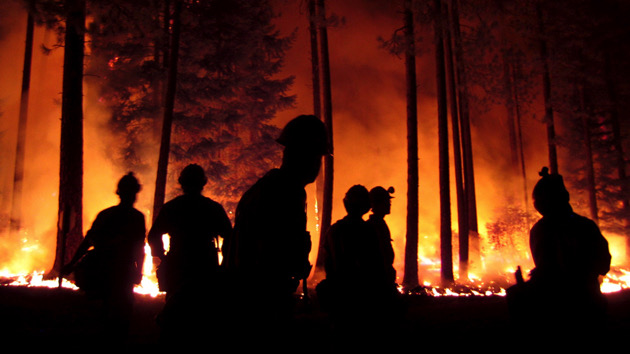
(455, 104)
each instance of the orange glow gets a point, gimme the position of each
(369, 139)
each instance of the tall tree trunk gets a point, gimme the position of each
(169, 103)
(410, 278)
(617, 141)
(516, 73)
(314, 20)
(446, 247)
(511, 116)
(590, 170)
(70, 221)
(462, 207)
(467, 153)
(18, 175)
(328, 120)
(546, 76)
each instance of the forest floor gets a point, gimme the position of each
(56, 318)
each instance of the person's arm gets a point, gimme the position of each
(154, 238)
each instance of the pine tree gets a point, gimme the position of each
(70, 225)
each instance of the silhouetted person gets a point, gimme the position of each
(352, 262)
(189, 272)
(380, 201)
(268, 255)
(117, 237)
(569, 254)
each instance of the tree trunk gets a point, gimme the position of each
(467, 153)
(544, 58)
(169, 103)
(617, 141)
(327, 117)
(446, 247)
(18, 175)
(314, 21)
(516, 72)
(511, 116)
(462, 208)
(70, 226)
(410, 278)
(590, 170)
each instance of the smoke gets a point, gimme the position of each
(33, 247)
(370, 134)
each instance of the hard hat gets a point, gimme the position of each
(380, 193)
(128, 184)
(192, 176)
(305, 132)
(550, 187)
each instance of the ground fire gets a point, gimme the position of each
(369, 106)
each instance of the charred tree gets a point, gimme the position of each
(589, 164)
(18, 175)
(446, 248)
(313, 20)
(546, 78)
(620, 159)
(70, 216)
(462, 208)
(410, 278)
(467, 153)
(327, 118)
(169, 103)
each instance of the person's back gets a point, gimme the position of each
(118, 234)
(193, 223)
(109, 260)
(270, 224)
(569, 254)
(189, 271)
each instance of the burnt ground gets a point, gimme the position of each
(59, 317)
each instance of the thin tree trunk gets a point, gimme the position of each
(314, 21)
(70, 226)
(327, 118)
(516, 72)
(467, 153)
(446, 247)
(462, 208)
(511, 116)
(410, 278)
(18, 175)
(590, 170)
(546, 76)
(617, 141)
(165, 143)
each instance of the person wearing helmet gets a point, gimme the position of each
(189, 272)
(380, 200)
(108, 262)
(569, 254)
(348, 255)
(350, 260)
(270, 246)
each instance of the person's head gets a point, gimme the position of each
(128, 187)
(192, 179)
(357, 200)
(550, 195)
(380, 199)
(305, 141)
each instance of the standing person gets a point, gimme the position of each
(352, 261)
(114, 265)
(189, 272)
(569, 254)
(268, 255)
(380, 201)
